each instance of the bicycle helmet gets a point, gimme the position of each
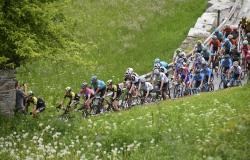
(109, 82)
(178, 50)
(84, 85)
(68, 89)
(236, 64)
(245, 42)
(157, 60)
(130, 71)
(199, 42)
(230, 36)
(30, 93)
(214, 37)
(182, 54)
(93, 78)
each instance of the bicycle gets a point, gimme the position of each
(224, 81)
(178, 90)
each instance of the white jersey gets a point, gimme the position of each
(161, 77)
(235, 70)
(147, 86)
(135, 78)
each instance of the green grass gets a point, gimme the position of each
(107, 36)
(208, 126)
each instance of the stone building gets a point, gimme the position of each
(7, 92)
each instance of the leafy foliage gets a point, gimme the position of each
(25, 31)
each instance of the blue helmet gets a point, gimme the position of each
(93, 78)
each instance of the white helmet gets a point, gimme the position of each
(157, 60)
(245, 42)
(130, 71)
(68, 89)
(236, 63)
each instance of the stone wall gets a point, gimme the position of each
(7, 92)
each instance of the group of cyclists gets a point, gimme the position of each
(191, 74)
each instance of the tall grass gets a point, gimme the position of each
(209, 126)
(109, 36)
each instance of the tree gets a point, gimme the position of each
(24, 31)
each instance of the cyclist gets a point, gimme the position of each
(207, 73)
(116, 93)
(232, 40)
(87, 93)
(235, 54)
(234, 73)
(161, 63)
(135, 84)
(184, 75)
(38, 104)
(226, 63)
(214, 45)
(198, 47)
(147, 88)
(235, 32)
(227, 45)
(99, 86)
(219, 35)
(227, 30)
(161, 81)
(73, 98)
(197, 80)
(179, 54)
(197, 61)
(206, 54)
(245, 48)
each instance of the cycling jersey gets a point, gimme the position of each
(226, 63)
(206, 54)
(227, 46)
(87, 92)
(199, 48)
(161, 77)
(207, 72)
(198, 77)
(215, 44)
(164, 64)
(99, 84)
(147, 86)
(70, 95)
(115, 88)
(38, 102)
(235, 70)
(135, 79)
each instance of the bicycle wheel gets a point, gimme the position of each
(211, 87)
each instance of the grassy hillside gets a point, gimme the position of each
(105, 37)
(208, 126)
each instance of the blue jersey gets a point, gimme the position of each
(198, 77)
(164, 64)
(99, 84)
(206, 72)
(226, 62)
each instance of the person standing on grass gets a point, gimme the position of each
(21, 94)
